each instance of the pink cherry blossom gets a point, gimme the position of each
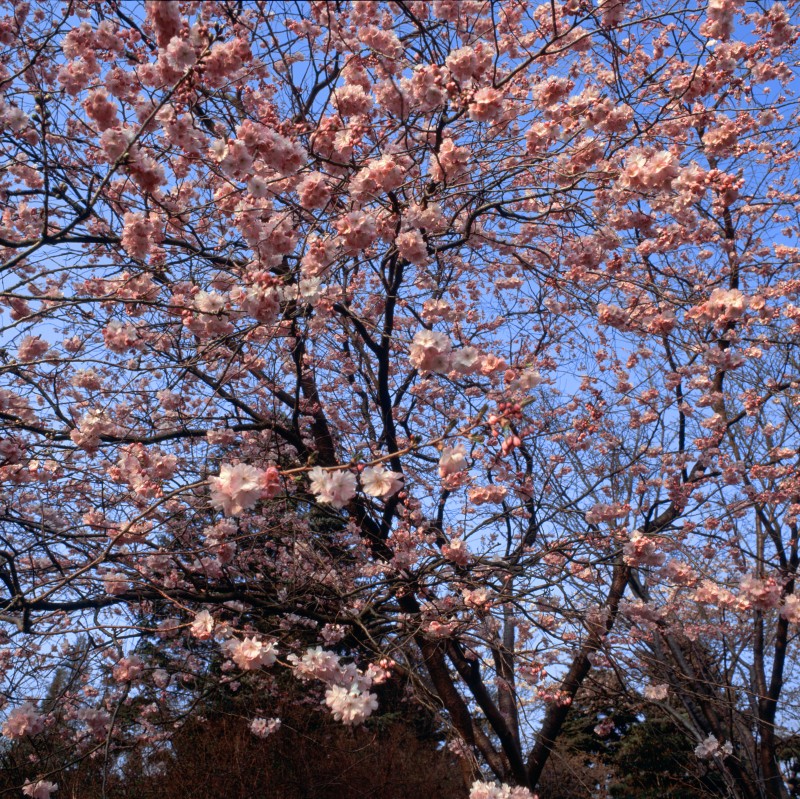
(357, 230)
(466, 360)
(642, 551)
(115, 584)
(23, 720)
(41, 789)
(791, 609)
(31, 348)
(451, 162)
(314, 191)
(380, 482)
(128, 669)
(251, 653)
(180, 54)
(203, 625)
(467, 63)
(710, 747)
(456, 551)
(487, 104)
(349, 705)
(316, 663)
(352, 100)
(120, 337)
(335, 488)
(725, 305)
(452, 460)
(491, 790)
(647, 171)
(412, 247)
(656, 693)
(237, 488)
(101, 110)
(165, 18)
(263, 728)
(96, 720)
(430, 351)
(763, 594)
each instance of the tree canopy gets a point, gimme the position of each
(443, 346)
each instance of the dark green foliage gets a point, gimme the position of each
(641, 757)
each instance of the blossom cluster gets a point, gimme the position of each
(337, 487)
(23, 720)
(41, 789)
(711, 747)
(432, 351)
(251, 653)
(493, 790)
(239, 487)
(347, 695)
(263, 728)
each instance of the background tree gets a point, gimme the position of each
(614, 745)
(219, 753)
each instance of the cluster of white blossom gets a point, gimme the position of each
(337, 487)
(711, 747)
(263, 728)
(491, 790)
(348, 695)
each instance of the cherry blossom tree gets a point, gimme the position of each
(442, 343)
